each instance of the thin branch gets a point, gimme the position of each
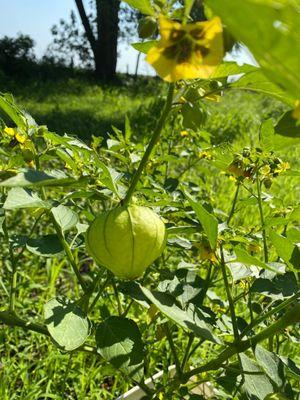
(86, 24)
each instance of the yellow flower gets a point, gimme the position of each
(265, 170)
(13, 132)
(282, 167)
(205, 154)
(184, 133)
(187, 51)
(10, 131)
(296, 112)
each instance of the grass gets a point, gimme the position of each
(83, 107)
(30, 366)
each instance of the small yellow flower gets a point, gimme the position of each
(232, 178)
(265, 170)
(10, 131)
(31, 164)
(13, 132)
(184, 133)
(205, 154)
(187, 51)
(282, 167)
(20, 138)
(205, 252)
(296, 112)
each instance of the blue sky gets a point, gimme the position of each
(36, 17)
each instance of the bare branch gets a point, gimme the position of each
(86, 24)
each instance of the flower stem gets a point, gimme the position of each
(152, 143)
(233, 204)
(229, 297)
(262, 220)
(69, 254)
(13, 277)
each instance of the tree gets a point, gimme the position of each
(93, 42)
(104, 41)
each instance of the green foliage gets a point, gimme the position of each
(219, 175)
(272, 38)
(66, 323)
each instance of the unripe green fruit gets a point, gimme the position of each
(147, 27)
(126, 240)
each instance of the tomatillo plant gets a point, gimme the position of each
(171, 258)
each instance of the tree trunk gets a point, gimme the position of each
(105, 45)
(107, 41)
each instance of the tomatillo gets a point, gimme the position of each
(126, 240)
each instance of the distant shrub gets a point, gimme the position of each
(17, 55)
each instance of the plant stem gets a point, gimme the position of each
(173, 349)
(13, 277)
(233, 204)
(289, 318)
(262, 220)
(113, 282)
(229, 297)
(100, 290)
(152, 143)
(69, 254)
(275, 310)
(187, 351)
(12, 319)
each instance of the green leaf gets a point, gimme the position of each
(286, 133)
(12, 111)
(128, 130)
(255, 385)
(232, 68)
(34, 178)
(166, 304)
(144, 6)
(266, 135)
(208, 221)
(65, 217)
(256, 81)
(23, 198)
(271, 364)
(293, 235)
(144, 47)
(286, 249)
(119, 341)
(240, 271)
(278, 287)
(273, 38)
(244, 257)
(193, 116)
(109, 177)
(291, 366)
(288, 127)
(45, 246)
(67, 324)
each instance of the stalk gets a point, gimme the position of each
(262, 220)
(13, 277)
(291, 317)
(152, 143)
(69, 254)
